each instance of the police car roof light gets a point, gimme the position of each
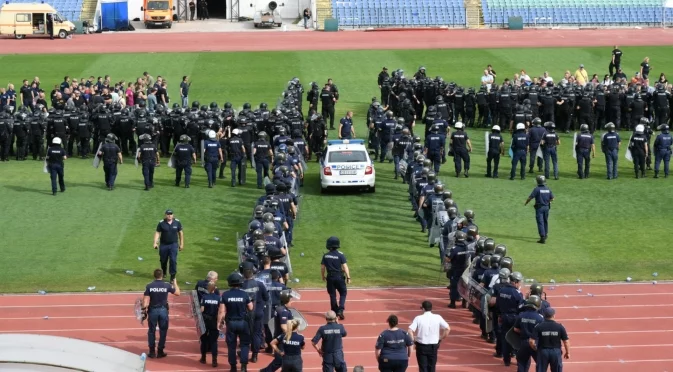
(346, 142)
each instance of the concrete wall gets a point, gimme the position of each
(289, 9)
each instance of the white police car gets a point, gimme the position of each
(347, 164)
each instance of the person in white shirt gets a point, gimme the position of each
(487, 80)
(428, 330)
(525, 76)
(547, 78)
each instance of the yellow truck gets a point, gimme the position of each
(158, 13)
(21, 20)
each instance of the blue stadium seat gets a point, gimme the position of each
(362, 13)
(70, 9)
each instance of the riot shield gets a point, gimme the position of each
(574, 151)
(196, 313)
(513, 339)
(267, 181)
(203, 153)
(389, 151)
(136, 157)
(403, 168)
(486, 141)
(485, 313)
(538, 153)
(96, 158)
(627, 154)
(436, 227)
(240, 248)
(172, 160)
(268, 313)
(138, 310)
(45, 169)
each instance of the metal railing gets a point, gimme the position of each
(386, 15)
(581, 16)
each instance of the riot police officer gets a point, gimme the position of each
(212, 310)
(508, 302)
(6, 123)
(543, 198)
(237, 305)
(282, 322)
(459, 257)
(400, 146)
(328, 99)
(213, 156)
(149, 157)
(185, 156)
(334, 271)
(523, 326)
(155, 308)
(260, 297)
(263, 154)
(546, 341)
(519, 149)
(662, 150)
(610, 143)
(583, 144)
(549, 144)
(385, 134)
(535, 136)
(55, 157)
(639, 150)
(496, 148)
(434, 148)
(237, 155)
(110, 155)
(461, 147)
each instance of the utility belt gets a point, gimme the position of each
(234, 319)
(335, 274)
(538, 206)
(165, 306)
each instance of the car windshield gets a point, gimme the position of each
(347, 157)
(157, 5)
(58, 18)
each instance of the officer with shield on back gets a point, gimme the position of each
(213, 156)
(335, 272)
(459, 257)
(212, 310)
(238, 305)
(508, 302)
(148, 155)
(281, 316)
(523, 326)
(155, 309)
(110, 154)
(259, 296)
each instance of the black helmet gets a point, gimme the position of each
(534, 301)
(235, 279)
(267, 217)
(418, 146)
(462, 221)
(537, 121)
(204, 108)
(473, 231)
(452, 211)
(213, 105)
(110, 138)
(500, 249)
(227, 105)
(427, 163)
(246, 106)
(460, 236)
(439, 188)
(486, 261)
(432, 177)
(449, 203)
(536, 289)
(176, 106)
(447, 194)
(417, 139)
(489, 246)
(333, 243)
(610, 126)
(259, 211)
(469, 214)
(195, 105)
(285, 297)
(507, 262)
(495, 261)
(480, 244)
(263, 106)
(516, 277)
(389, 114)
(258, 233)
(540, 180)
(259, 246)
(269, 227)
(584, 128)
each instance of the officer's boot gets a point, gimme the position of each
(153, 353)
(161, 354)
(253, 359)
(452, 305)
(203, 358)
(232, 369)
(464, 304)
(214, 361)
(656, 174)
(530, 169)
(467, 173)
(244, 367)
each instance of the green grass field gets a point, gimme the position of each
(89, 236)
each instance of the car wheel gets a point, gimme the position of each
(256, 25)
(372, 189)
(62, 34)
(278, 24)
(170, 25)
(323, 190)
(19, 37)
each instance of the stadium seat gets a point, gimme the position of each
(361, 13)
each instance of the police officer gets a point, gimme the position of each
(83, 133)
(550, 143)
(496, 148)
(546, 341)
(583, 144)
(282, 322)
(334, 271)
(110, 154)
(263, 155)
(328, 99)
(346, 129)
(155, 309)
(212, 310)
(662, 150)
(400, 146)
(55, 157)
(292, 343)
(461, 147)
(543, 198)
(459, 257)
(201, 286)
(508, 302)
(237, 304)
(519, 149)
(393, 347)
(213, 156)
(385, 134)
(237, 155)
(331, 348)
(535, 136)
(149, 157)
(610, 143)
(524, 326)
(185, 156)
(259, 296)
(537, 289)
(169, 239)
(434, 148)
(639, 150)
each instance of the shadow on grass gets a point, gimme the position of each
(28, 189)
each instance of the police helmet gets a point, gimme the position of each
(211, 134)
(427, 163)
(398, 128)
(520, 126)
(333, 243)
(448, 203)
(184, 138)
(436, 128)
(204, 108)
(432, 177)
(500, 249)
(644, 121)
(460, 236)
(246, 106)
(281, 157)
(235, 280)
(425, 171)
(141, 113)
(406, 132)
(516, 277)
(663, 127)
(462, 221)
(504, 274)
(258, 233)
(447, 194)
(400, 121)
(584, 128)
(176, 106)
(496, 128)
(281, 187)
(389, 114)
(439, 188)
(259, 246)
(291, 150)
(486, 261)
(146, 138)
(537, 122)
(536, 289)
(459, 125)
(452, 211)
(469, 214)
(285, 297)
(110, 138)
(489, 246)
(269, 227)
(540, 180)
(473, 231)
(420, 158)
(267, 217)
(259, 211)
(262, 135)
(495, 261)
(549, 124)
(640, 128)
(56, 141)
(245, 268)
(418, 146)
(507, 262)
(227, 105)
(417, 139)
(534, 301)
(236, 132)
(439, 99)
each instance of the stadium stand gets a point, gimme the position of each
(399, 13)
(69, 9)
(496, 13)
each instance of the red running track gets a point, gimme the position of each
(624, 328)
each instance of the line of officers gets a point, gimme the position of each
(569, 105)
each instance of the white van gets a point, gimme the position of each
(21, 20)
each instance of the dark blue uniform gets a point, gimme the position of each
(519, 149)
(460, 258)
(109, 158)
(548, 336)
(435, 144)
(543, 197)
(346, 128)
(55, 167)
(184, 154)
(168, 245)
(400, 145)
(281, 315)
(157, 313)
(526, 323)
(260, 296)
(535, 136)
(662, 151)
(148, 158)
(261, 161)
(583, 150)
(549, 153)
(385, 136)
(273, 245)
(393, 346)
(332, 335)
(335, 279)
(610, 146)
(493, 156)
(459, 146)
(236, 148)
(212, 159)
(236, 306)
(211, 305)
(201, 288)
(508, 302)
(292, 349)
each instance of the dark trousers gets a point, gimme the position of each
(494, 158)
(611, 158)
(157, 316)
(36, 146)
(72, 140)
(507, 324)
(148, 174)
(110, 170)
(659, 155)
(169, 252)
(461, 157)
(334, 362)
(549, 153)
(275, 364)
(209, 341)
(426, 356)
(549, 359)
(237, 163)
(518, 157)
(638, 162)
(385, 139)
(292, 363)
(337, 284)
(21, 148)
(483, 115)
(454, 277)
(211, 170)
(387, 365)
(436, 159)
(613, 67)
(532, 155)
(262, 169)
(328, 111)
(56, 170)
(237, 331)
(599, 113)
(4, 147)
(615, 115)
(541, 218)
(583, 158)
(178, 174)
(257, 333)
(523, 356)
(84, 143)
(191, 14)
